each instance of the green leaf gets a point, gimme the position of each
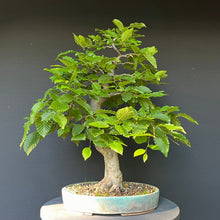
(125, 113)
(47, 115)
(43, 128)
(59, 106)
(76, 113)
(162, 117)
(126, 35)
(142, 89)
(180, 137)
(96, 132)
(128, 125)
(162, 141)
(137, 25)
(140, 139)
(82, 102)
(126, 96)
(160, 75)
(105, 79)
(37, 107)
(145, 157)
(116, 146)
(148, 54)
(153, 147)
(60, 119)
(172, 127)
(79, 40)
(86, 153)
(139, 152)
(105, 111)
(119, 24)
(77, 129)
(31, 142)
(120, 129)
(189, 118)
(101, 141)
(99, 124)
(65, 53)
(96, 86)
(26, 130)
(63, 132)
(80, 137)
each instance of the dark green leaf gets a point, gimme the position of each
(77, 129)
(126, 96)
(189, 118)
(80, 137)
(31, 142)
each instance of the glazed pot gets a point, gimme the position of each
(109, 204)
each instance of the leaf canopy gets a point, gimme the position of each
(120, 85)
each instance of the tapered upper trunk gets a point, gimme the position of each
(112, 180)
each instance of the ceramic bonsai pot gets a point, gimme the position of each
(109, 205)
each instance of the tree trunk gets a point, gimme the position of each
(112, 181)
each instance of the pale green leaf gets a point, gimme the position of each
(137, 25)
(43, 128)
(126, 35)
(139, 152)
(116, 146)
(145, 157)
(60, 119)
(172, 127)
(125, 113)
(59, 106)
(119, 24)
(120, 129)
(86, 153)
(99, 124)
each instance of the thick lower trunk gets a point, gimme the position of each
(112, 180)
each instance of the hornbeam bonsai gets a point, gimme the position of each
(102, 99)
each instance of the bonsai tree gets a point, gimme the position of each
(106, 99)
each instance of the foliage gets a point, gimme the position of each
(122, 81)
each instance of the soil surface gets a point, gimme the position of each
(130, 189)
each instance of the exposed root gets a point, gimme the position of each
(106, 186)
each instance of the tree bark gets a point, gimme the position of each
(112, 181)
